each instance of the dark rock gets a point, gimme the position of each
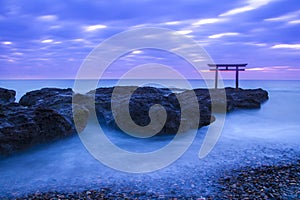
(22, 127)
(250, 98)
(50, 113)
(143, 98)
(59, 100)
(41, 116)
(47, 97)
(7, 96)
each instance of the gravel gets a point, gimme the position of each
(266, 182)
(280, 181)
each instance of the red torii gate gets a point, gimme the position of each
(227, 67)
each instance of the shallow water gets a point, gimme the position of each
(249, 137)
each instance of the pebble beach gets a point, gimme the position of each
(266, 182)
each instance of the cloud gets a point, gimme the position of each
(55, 33)
(256, 69)
(6, 42)
(270, 68)
(294, 69)
(223, 35)
(286, 46)
(79, 40)
(255, 44)
(47, 18)
(294, 22)
(207, 21)
(47, 41)
(172, 23)
(291, 18)
(18, 53)
(184, 32)
(251, 5)
(137, 52)
(286, 17)
(94, 27)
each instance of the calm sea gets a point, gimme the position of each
(23, 86)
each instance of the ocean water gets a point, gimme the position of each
(257, 137)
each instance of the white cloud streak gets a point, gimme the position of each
(286, 46)
(184, 32)
(47, 41)
(269, 68)
(6, 42)
(207, 21)
(251, 5)
(294, 22)
(223, 35)
(94, 27)
(47, 18)
(290, 18)
(172, 23)
(137, 52)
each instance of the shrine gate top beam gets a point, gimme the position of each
(227, 67)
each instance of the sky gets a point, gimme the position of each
(49, 39)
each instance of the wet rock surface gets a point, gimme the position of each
(7, 96)
(245, 98)
(22, 127)
(50, 113)
(175, 104)
(41, 116)
(56, 99)
(140, 103)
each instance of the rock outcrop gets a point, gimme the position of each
(45, 115)
(140, 102)
(7, 96)
(40, 116)
(245, 98)
(59, 100)
(22, 127)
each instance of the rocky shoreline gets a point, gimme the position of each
(266, 182)
(42, 112)
(50, 113)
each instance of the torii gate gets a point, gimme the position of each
(227, 67)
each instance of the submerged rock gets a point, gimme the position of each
(50, 113)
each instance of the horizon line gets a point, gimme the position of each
(9, 79)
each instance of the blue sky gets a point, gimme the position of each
(51, 38)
